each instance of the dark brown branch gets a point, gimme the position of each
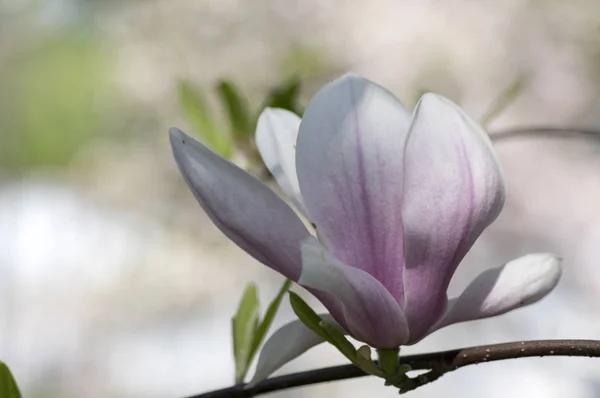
(440, 362)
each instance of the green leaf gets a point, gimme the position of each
(325, 330)
(308, 317)
(242, 124)
(244, 325)
(506, 98)
(285, 96)
(196, 110)
(264, 326)
(8, 385)
(365, 362)
(339, 340)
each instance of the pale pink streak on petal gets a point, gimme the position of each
(453, 189)
(349, 164)
(370, 313)
(242, 207)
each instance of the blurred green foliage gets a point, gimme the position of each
(195, 109)
(248, 330)
(307, 62)
(237, 132)
(237, 108)
(244, 325)
(506, 98)
(53, 105)
(8, 385)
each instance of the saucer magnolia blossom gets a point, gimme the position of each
(397, 201)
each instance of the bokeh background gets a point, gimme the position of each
(113, 282)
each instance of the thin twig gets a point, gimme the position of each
(441, 362)
(541, 131)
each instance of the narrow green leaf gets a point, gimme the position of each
(339, 340)
(325, 330)
(242, 124)
(8, 385)
(196, 110)
(264, 326)
(365, 362)
(506, 98)
(306, 314)
(236, 347)
(244, 325)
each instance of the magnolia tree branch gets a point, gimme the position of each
(544, 131)
(437, 364)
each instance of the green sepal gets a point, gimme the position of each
(365, 362)
(244, 327)
(8, 385)
(265, 324)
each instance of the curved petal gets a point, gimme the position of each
(287, 343)
(276, 134)
(496, 291)
(369, 312)
(349, 164)
(242, 207)
(453, 189)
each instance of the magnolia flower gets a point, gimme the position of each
(397, 201)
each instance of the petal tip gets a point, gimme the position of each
(177, 137)
(267, 111)
(175, 132)
(432, 99)
(349, 78)
(551, 264)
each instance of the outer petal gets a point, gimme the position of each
(368, 310)
(349, 163)
(276, 134)
(287, 343)
(453, 189)
(496, 291)
(245, 209)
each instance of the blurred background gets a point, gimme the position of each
(114, 283)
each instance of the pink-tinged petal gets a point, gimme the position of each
(287, 343)
(453, 189)
(349, 164)
(242, 207)
(496, 291)
(369, 312)
(276, 134)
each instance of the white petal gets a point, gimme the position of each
(496, 291)
(349, 162)
(369, 312)
(453, 189)
(287, 343)
(276, 134)
(245, 209)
